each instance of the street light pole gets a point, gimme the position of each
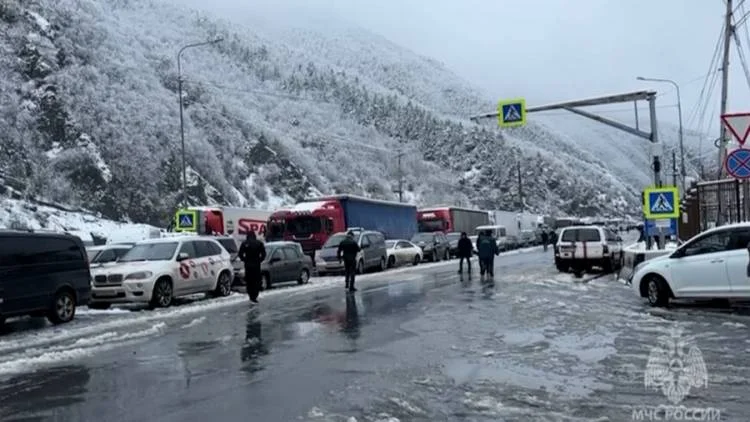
(182, 120)
(683, 173)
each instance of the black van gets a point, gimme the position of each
(42, 274)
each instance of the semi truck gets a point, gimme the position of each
(451, 219)
(311, 222)
(221, 220)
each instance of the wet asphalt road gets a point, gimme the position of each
(415, 345)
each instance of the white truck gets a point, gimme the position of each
(221, 220)
(514, 222)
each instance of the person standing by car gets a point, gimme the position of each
(464, 250)
(487, 248)
(252, 252)
(545, 239)
(348, 250)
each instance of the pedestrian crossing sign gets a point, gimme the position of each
(511, 113)
(186, 220)
(661, 203)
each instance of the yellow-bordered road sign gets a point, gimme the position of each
(663, 202)
(511, 113)
(186, 220)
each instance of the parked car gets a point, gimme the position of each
(512, 242)
(588, 246)
(232, 245)
(106, 254)
(373, 254)
(453, 238)
(474, 249)
(435, 246)
(711, 265)
(527, 238)
(156, 271)
(42, 274)
(285, 262)
(402, 252)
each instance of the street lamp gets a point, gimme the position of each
(679, 112)
(182, 121)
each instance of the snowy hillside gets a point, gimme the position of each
(89, 117)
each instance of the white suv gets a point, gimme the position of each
(156, 271)
(588, 246)
(712, 265)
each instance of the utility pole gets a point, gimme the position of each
(182, 120)
(520, 185)
(400, 189)
(637, 123)
(674, 169)
(723, 139)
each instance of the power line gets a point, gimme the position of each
(709, 81)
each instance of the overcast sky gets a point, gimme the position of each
(545, 50)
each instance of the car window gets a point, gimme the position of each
(334, 241)
(365, 241)
(403, 245)
(390, 244)
(740, 239)
(714, 242)
(202, 248)
(229, 244)
(290, 253)
(36, 250)
(189, 248)
(106, 256)
(120, 252)
(277, 254)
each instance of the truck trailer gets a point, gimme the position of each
(450, 219)
(311, 222)
(221, 221)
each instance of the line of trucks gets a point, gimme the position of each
(311, 222)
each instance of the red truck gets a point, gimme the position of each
(312, 222)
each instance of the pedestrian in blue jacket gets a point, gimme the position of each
(487, 250)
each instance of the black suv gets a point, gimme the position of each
(435, 246)
(42, 274)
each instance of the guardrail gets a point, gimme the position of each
(637, 253)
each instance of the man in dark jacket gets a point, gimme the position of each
(348, 250)
(252, 252)
(465, 248)
(487, 250)
(545, 239)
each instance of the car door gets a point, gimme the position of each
(365, 244)
(215, 262)
(401, 252)
(183, 286)
(700, 269)
(206, 260)
(738, 262)
(276, 265)
(293, 262)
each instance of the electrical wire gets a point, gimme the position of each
(710, 80)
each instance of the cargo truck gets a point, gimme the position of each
(450, 219)
(515, 222)
(311, 222)
(221, 221)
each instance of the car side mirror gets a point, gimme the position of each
(182, 256)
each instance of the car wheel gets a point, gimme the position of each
(100, 306)
(391, 262)
(304, 277)
(657, 291)
(609, 265)
(383, 264)
(417, 260)
(223, 285)
(265, 281)
(163, 294)
(63, 307)
(360, 267)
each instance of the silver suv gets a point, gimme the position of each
(374, 253)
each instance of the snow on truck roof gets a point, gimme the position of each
(446, 207)
(359, 198)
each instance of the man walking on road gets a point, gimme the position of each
(545, 239)
(465, 248)
(252, 252)
(348, 250)
(487, 248)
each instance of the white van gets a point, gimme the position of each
(588, 246)
(498, 232)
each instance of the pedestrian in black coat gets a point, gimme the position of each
(465, 249)
(545, 239)
(252, 252)
(348, 251)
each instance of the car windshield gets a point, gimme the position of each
(453, 236)
(304, 226)
(150, 252)
(92, 254)
(422, 237)
(430, 225)
(229, 244)
(334, 241)
(390, 244)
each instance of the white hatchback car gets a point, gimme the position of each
(156, 271)
(712, 265)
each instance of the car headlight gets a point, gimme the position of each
(140, 275)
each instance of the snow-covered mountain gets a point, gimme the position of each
(89, 117)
